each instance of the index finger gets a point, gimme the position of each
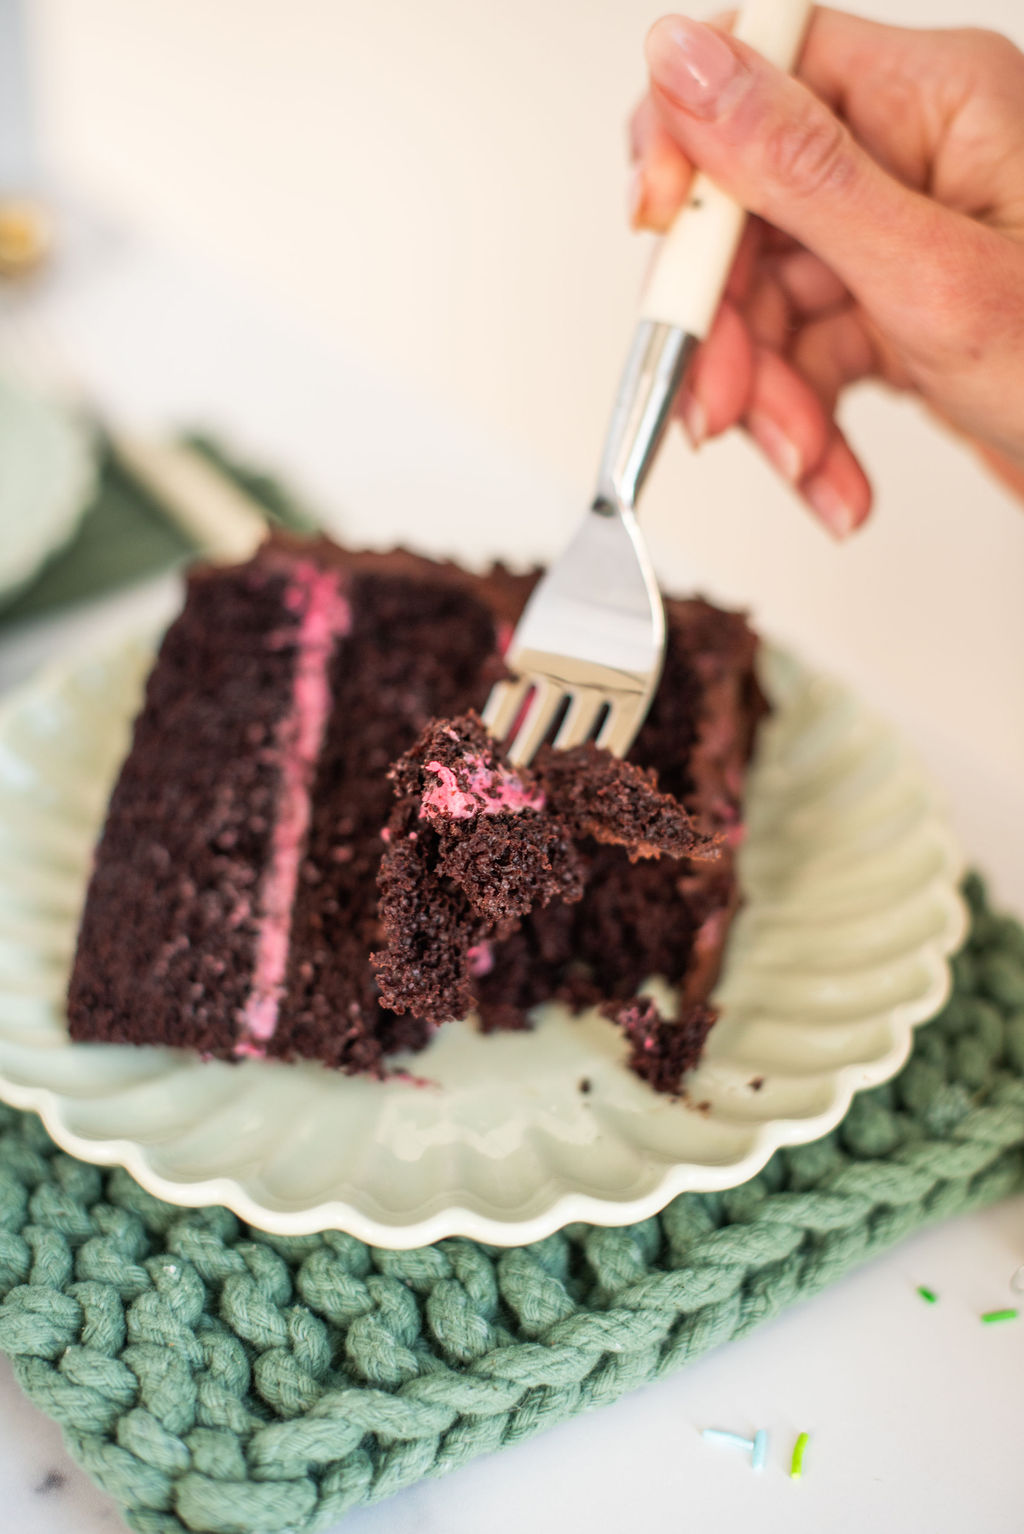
(894, 87)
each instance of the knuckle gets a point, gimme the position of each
(988, 47)
(810, 154)
(897, 102)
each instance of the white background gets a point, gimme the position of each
(438, 190)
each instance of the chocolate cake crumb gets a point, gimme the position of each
(469, 849)
(473, 845)
(597, 795)
(661, 1050)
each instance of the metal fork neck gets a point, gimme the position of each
(655, 368)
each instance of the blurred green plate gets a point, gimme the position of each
(125, 535)
(48, 475)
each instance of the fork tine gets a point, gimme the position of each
(503, 706)
(540, 714)
(617, 732)
(584, 708)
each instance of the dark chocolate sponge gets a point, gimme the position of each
(474, 844)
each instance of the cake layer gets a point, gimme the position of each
(415, 638)
(233, 907)
(171, 934)
(243, 837)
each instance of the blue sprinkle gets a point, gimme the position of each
(760, 1450)
(722, 1435)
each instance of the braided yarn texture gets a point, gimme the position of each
(214, 1378)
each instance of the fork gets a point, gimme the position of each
(588, 650)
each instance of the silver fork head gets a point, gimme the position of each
(592, 636)
(591, 640)
(533, 703)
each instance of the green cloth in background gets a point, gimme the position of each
(125, 536)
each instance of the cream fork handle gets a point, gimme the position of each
(226, 525)
(696, 256)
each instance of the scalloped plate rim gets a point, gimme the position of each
(463, 1220)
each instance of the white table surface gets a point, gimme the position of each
(914, 1411)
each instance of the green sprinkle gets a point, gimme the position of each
(999, 1315)
(796, 1468)
(927, 1294)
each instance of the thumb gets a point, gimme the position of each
(777, 149)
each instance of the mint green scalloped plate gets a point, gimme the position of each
(852, 909)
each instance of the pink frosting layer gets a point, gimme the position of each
(324, 617)
(481, 959)
(491, 790)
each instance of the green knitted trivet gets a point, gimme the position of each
(211, 1377)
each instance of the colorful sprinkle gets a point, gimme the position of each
(796, 1468)
(722, 1435)
(927, 1294)
(760, 1453)
(999, 1315)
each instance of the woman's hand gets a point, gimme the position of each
(889, 187)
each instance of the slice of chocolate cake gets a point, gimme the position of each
(233, 906)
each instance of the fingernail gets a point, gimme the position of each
(637, 195)
(695, 419)
(776, 446)
(838, 517)
(693, 64)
